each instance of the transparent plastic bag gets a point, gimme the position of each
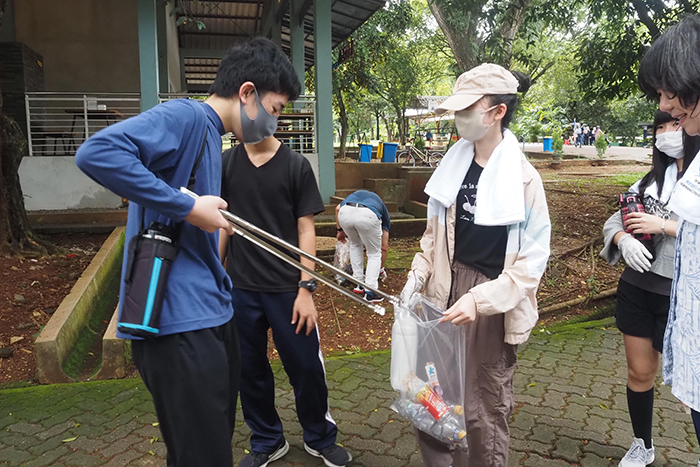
(427, 370)
(341, 260)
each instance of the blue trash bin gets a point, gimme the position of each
(389, 154)
(365, 152)
(547, 143)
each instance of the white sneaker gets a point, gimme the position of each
(638, 455)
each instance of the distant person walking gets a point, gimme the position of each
(363, 219)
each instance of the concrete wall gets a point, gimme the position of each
(351, 175)
(55, 182)
(87, 45)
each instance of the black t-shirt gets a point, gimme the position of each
(478, 246)
(272, 197)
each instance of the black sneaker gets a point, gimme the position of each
(370, 297)
(333, 456)
(261, 459)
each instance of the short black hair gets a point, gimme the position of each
(660, 161)
(672, 63)
(261, 62)
(511, 100)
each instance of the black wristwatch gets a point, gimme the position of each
(309, 285)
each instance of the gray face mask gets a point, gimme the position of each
(262, 127)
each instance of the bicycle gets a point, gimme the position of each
(412, 154)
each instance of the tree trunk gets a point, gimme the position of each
(343, 115)
(16, 235)
(509, 28)
(462, 42)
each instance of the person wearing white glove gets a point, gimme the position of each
(481, 258)
(414, 284)
(645, 285)
(634, 253)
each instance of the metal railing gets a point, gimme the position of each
(58, 123)
(296, 125)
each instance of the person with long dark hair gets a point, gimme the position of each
(644, 288)
(483, 253)
(670, 73)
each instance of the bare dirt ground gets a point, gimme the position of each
(580, 199)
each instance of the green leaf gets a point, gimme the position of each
(68, 440)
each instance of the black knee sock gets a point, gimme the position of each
(641, 407)
(696, 422)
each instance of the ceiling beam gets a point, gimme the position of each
(210, 16)
(304, 9)
(202, 53)
(282, 10)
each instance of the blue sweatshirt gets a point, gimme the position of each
(146, 159)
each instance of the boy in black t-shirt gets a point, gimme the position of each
(274, 188)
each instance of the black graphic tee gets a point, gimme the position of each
(478, 246)
(272, 197)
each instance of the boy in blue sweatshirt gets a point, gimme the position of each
(192, 368)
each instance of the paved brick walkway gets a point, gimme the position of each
(570, 410)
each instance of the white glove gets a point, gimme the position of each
(413, 284)
(635, 254)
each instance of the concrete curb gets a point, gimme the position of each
(62, 331)
(113, 353)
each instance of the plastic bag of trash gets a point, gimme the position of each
(427, 370)
(341, 260)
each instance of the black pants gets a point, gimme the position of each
(256, 312)
(194, 379)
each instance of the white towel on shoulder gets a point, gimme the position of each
(500, 198)
(670, 179)
(685, 199)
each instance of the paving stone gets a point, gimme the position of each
(537, 461)
(567, 449)
(83, 460)
(13, 456)
(557, 421)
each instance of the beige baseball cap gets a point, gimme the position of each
(472, 85)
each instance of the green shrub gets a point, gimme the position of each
(418, 143)
(601, 145)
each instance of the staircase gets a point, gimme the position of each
(391, 190)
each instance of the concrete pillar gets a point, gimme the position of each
(296, 32)
(162, 36)
(7, 31)
(148, 53)
(324, 98)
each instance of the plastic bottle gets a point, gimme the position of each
(416, 414)
(431, 371)
(447, 426)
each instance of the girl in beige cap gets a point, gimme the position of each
(484, 250)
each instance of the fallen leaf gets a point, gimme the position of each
(531, 384)
(15, 339)
(155, 424)
(152, 453)
(68, 440)
(603, 406)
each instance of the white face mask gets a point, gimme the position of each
(670, 143)
(470, 123)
